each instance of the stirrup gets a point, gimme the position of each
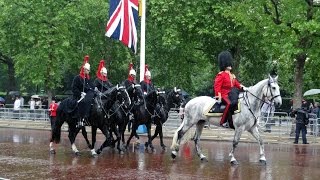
(225, 125)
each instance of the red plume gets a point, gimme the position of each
(85, 60)
(146, 68)
(130, 78)
(98, 73)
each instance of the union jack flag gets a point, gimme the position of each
(122, 24)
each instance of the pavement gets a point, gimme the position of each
(278, 135)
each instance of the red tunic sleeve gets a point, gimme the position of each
(218, 84)
(236, 83)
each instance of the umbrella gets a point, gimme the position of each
(14, 93)
(184, 93)
(35, 96)
(311, 92)
(2, 99)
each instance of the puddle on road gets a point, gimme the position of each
(25, 155)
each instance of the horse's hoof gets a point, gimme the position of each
(77, 153)
(263, 162)
(52, 151)
(234, 163)
(204, 159)
(121, 152)
(163, 148)
(98, 151)
(146, 145)
(173, 154)
(95, 155)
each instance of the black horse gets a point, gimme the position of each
(143, 111)
(117, 118)
(100, 105)
(171, 99)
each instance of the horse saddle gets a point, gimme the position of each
(218, 108)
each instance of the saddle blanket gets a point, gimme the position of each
(216, 110)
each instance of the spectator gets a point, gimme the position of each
(21, 102)
(315, 112)
(302, 120)
(267, 111)
(53, 112)
(38, 104)
(16, 107)
(32, 107)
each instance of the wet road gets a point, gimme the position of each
(24, 154)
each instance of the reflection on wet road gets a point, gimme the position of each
(24, 154)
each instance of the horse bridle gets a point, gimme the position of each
(268, 89)
(246, 99)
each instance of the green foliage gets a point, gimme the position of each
(48, 39)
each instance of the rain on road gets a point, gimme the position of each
(24, 154)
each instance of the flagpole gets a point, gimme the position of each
(143, 39)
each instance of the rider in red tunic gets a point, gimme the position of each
(224, 82)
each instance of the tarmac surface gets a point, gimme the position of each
(24, 154)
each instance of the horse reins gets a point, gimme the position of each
(246, 100)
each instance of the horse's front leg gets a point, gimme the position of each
(73, 131)
(133, 133)
(161, 137)
(94, 139)
(255, 133)
(236, 138)
(107, 134)
(149, 137)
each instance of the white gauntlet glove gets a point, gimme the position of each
(244, 88)
(83, 94)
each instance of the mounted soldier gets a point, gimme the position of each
(147, 85)
(226, 87)
(102, 82)
(131, 77)
(83, 92)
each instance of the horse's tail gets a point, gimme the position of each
(175, 145)
(56, 130)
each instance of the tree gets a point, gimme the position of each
(289, 34)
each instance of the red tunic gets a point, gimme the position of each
(53, 109)
(223, 83)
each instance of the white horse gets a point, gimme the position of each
(245, 120)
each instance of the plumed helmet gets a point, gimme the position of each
(225, 59)
(86, 63)
(146, 70)
(84, 66)
(104, 70)
(131, 70)
(101, 69)
(148, 73)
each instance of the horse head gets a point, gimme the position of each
(175, 98)
(152, 97)
(135, 93)
(162, 99)
(123, 96)
(272, 91)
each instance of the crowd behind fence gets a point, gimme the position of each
(24, 114)
(281, 123)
